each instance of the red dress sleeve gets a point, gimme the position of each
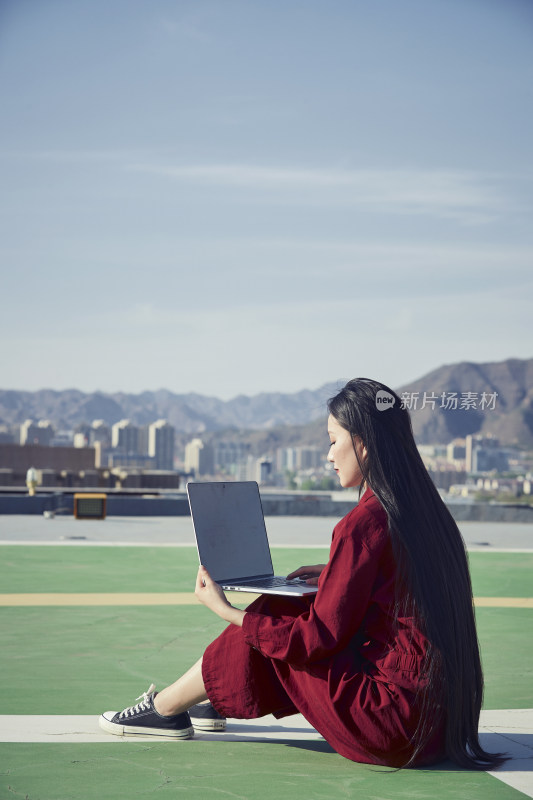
(343, 597)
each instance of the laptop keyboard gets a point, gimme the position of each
(270, 583)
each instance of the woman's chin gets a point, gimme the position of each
(348, 484)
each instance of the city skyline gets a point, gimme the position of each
(241, 198)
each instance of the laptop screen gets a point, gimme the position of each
(230, 529)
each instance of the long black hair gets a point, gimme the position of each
(433, 583)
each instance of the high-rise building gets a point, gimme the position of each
(6, 436)
(287, 459)
(161, 437)
(125, 436)
(100, 439)
(311, 457)
(231, 457)
(299, 458)
(100, 432)
(456, 450)
(41, 433)
(484, 454)
(263, 470)
(199, 458)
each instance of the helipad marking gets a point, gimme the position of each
(503, 602)
(83, 729)
(110, 599)
(181, 599)
(65, 542)
(509, 731)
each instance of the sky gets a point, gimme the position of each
(239, 196)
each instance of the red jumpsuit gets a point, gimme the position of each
(340, 658)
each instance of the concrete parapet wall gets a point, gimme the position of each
(117, 506)
(147, 506)
(305, 506)
(288, 505)
(491, 512)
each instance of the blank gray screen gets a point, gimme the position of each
(230, 529)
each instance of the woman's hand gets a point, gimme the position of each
(211, 595)
(309, 574)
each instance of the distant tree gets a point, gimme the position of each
(325, 484)
(482, 497)
(290, 480)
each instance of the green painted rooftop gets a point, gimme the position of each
(93, 612)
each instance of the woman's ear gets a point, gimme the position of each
(360, 449)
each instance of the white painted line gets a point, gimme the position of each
(181, 598)
(96, 543)
(84, 729)
(490, 549)
(509, 731)
(274, 545)
(91, 543)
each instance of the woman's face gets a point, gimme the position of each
(342, 454)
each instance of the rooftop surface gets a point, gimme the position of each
(282, 531)
(88, 623)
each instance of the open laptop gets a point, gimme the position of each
(232, 540)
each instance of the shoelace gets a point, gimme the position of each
(142, 706)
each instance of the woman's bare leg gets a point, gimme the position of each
(183, 693)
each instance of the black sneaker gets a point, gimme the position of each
(206, 718)
(142, 719)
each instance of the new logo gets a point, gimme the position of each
(384, 400)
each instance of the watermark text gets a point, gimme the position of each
(450, 401)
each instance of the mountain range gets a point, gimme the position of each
(509, 384)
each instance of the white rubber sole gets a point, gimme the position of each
(209, 724)
(132, 730)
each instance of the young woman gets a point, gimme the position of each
(384, 660)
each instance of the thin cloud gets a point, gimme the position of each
(473, 198)
(454, 193)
